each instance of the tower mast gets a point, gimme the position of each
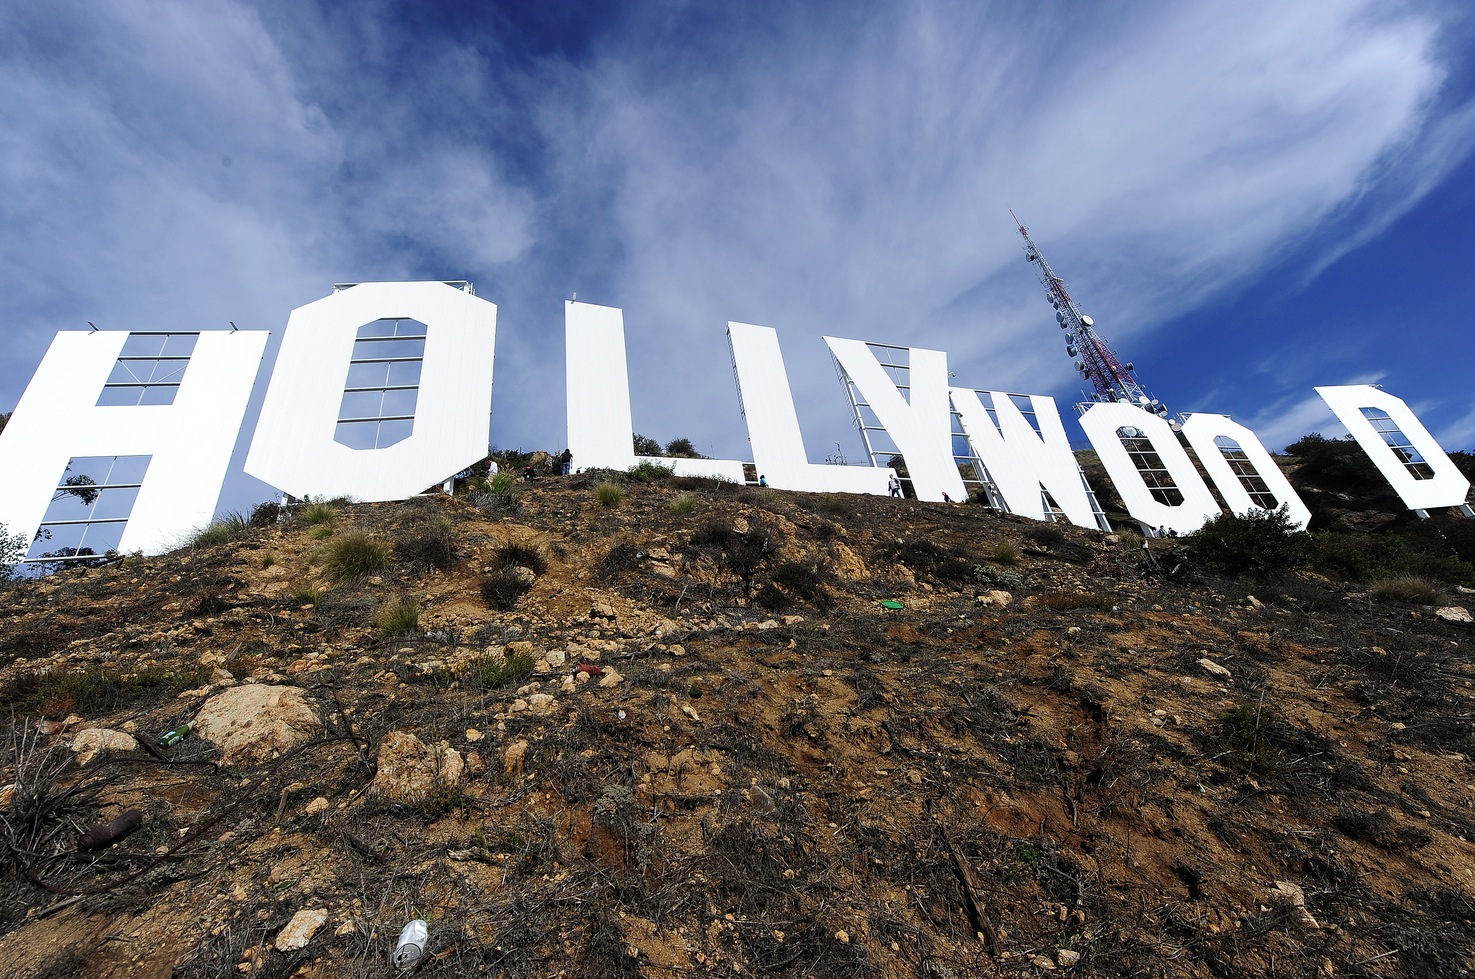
(1095, 361)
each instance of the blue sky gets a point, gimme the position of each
(1250, 198)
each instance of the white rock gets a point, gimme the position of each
(301, 928)
(542, 703)
(611, 679)
(1066, 958)
(97, 741)
(320, 804)
(1453, 613)
(409, 768)
(256, 723)
(1214, 669)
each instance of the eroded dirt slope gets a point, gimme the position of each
(697, 743)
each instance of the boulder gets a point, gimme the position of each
(301, 928)
(256, 723)
(409, 768)
(95, 742)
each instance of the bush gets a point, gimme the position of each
(806, 580)
(425, 543)
(649, 472)
(644, 445)
(490, 671)
(399, 617)
(221, 531)
(521, 555)
(623, 556)
(682, 503)
(988, 577)
(312, 514)
(1260, 543)
(265, 514)
(13, 549)
(514, 568)
(1407, 590)
(609, 494)
(355, 556)
(1006, 553)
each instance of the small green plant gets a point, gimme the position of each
(513, 570)
(320, 531)
(649, 472)
(1070, 601)
(694, 691)
(267, 560)
(988, 577)
(399, 617)
(609, 494)
(355, 556)
(13, 549)
(306, 594)
(426, 543)
(1248, 731)
(314, 514)
(1006, 553)
(682, 503)
(492, 670)
(1407, 590)
(221, 531)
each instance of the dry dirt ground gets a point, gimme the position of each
(730, 759)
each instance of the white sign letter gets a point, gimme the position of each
(1020, 461)
(1203, 432)
(1155, 477)
(189, 437)
(773, 424)
(422, 406)
(600, 430)
(1399, 445)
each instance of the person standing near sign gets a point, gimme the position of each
(568, 461)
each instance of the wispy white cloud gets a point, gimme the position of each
(842, 171)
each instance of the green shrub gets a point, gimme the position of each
(13, 549)
(622, 556)
(220, 531)
(806, 580)
(265, 514)
(988, 577)
(1006, 553)
(267, 560)
(312, 514)
(1407, 590)
(1260, 543)
(425, 543)
(513, 569)
(609, 494)
(320, 531)
(490, 671)
(307, 594)
(1069, 601)
(355, 556)
(399, 617)
(682, 503)
(649, 472)
(1249, 732)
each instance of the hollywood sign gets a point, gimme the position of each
(382, 389)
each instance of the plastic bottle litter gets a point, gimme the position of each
(411, 945)
(104, 834)
(172, 738)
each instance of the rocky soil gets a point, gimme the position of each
(681, 734)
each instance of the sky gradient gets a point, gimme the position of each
(1250, 198)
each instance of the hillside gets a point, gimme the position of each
(677, 733)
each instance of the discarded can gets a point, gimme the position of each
(172, 738)
(411, 945)
(110, 832)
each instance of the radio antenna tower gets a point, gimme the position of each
(1095, 361)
